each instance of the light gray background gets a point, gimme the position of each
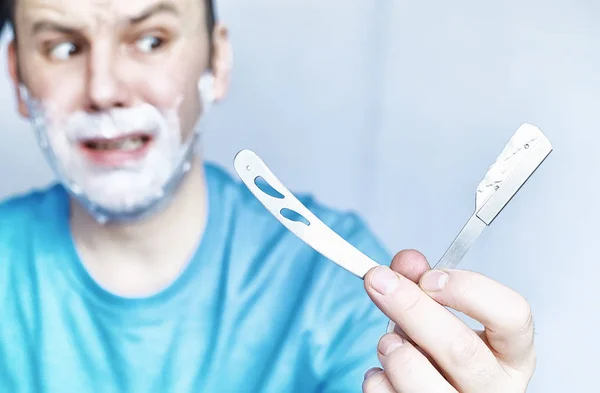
(396, 109)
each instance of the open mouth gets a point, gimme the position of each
(126, 143)
(117, 151)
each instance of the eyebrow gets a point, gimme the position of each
(46, 25)
(159, 8)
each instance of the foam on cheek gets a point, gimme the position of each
(140, 182)
(206, 91)
(132, 190)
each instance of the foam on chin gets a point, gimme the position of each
(134, 184)
(130, 187)
(131, 191)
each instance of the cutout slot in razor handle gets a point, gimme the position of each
(291, 213)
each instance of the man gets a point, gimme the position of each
(146, 270)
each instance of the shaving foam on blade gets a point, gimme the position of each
(526, 137)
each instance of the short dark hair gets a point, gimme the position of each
(7, 14)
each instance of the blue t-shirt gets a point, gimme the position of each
(256, 310)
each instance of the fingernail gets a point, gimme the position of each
(372, 372)
(390, 343)
(434, 280)
(384, 280)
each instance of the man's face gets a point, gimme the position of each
(118, 82)
(94, 55)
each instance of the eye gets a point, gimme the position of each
(149, 43)
(64, 50)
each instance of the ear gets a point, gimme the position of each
(13, 70)
(221, 62)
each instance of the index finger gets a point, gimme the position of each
(456, 348)
(504, 313)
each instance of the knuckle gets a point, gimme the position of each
(469, 353)
(465, 284)
(527, 366)
(374, 383)
(524, 318)
(463, 289)
(465, 349)
(408, 300)
(520, 321)
(404, 362)
(487, 376)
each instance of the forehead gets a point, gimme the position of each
(103, 10)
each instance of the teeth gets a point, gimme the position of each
(131, 144)
(127, 144)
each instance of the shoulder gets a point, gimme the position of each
(19, 209)
(24, 217)
(22, 214)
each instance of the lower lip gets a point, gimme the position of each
(116, 158)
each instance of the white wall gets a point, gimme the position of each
(360, 102)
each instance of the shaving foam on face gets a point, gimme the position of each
(133, 189)
(521, 142)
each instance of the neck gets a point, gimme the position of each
(151, 252)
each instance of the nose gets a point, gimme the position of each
(106, 87)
